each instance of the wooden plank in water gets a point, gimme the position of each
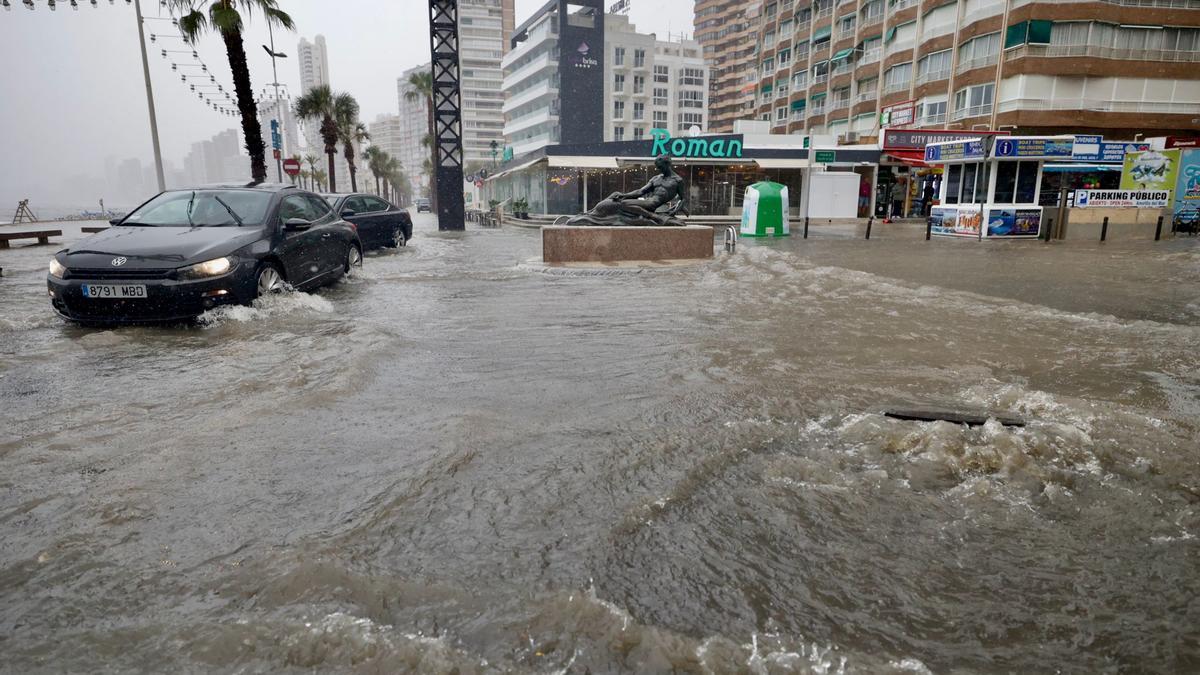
(969, 418)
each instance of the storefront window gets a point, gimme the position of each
(1016, 182)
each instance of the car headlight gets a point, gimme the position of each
(57, 269)
(208, 268)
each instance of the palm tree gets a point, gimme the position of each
(420, 84)
(391, 170)
(225, 17)
(321, 103)
(311, 160)
(372, 156)
(352, 131)
(303, 177)
(319, 178)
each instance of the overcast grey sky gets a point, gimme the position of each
(72, 88)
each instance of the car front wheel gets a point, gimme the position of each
(354, 259)
(269, 280)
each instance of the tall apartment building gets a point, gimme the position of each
(651, 84)
(313, 58)
(728, 32)
(282, 111)
(482, 36)
(1027, 66)
(414, 127)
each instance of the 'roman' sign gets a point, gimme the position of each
(694, 147)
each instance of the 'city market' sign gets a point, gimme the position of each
(693, 147)
(1122, 199)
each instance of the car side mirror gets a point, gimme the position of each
(115, 221)
(346, 213)
(296, 225)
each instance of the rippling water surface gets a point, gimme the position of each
(456, 462)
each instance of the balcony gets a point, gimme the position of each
(820, 79)
(866, 96)
(844, 66)
(903, 4)
(933, 76)
(972, 111)
(932, 120)
(839, 104)
(977, 62)
(1097, 52)
(828, 11)
(1157, 4)
(899, 46)
(816, 110)
(869, 21)
(895, 87)
(869, 57)
(1099, 105)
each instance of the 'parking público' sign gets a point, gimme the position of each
(1128, 199)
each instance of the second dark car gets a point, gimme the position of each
(380, 222)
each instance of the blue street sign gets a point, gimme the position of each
(274, 126)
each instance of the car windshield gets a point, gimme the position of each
(202, 208)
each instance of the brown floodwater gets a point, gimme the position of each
(461, 462)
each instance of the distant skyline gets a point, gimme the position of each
(74, 95)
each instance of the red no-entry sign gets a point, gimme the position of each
(291, 166)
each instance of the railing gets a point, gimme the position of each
(903, 4)
(828, 11)
(931, 120)
(865, 96)
(899, 46)
(895, 87)
(868, 21)
(842, 68)
(820, 79)
(797, 114)
(816, 110)
(870, 57)
(1098, 52)
(932, 76)
(978, 62)
(839, 103)
(1098, 105)
(802, 27)
(972, 111)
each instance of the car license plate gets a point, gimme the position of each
(114, 291)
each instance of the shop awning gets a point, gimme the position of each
(583, 162)
(845, 53)
(822, 34)
(782, 163)
(519, 167)
(909, 157)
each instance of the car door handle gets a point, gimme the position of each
(327, 235)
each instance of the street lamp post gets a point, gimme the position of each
(158, 164)
(275, 76)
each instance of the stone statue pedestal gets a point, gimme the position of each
(562, 244)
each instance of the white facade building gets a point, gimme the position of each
(313, 58)
(531, 80)
(651, 84)
(648, 84)
(414, 127)
(481, 31)
(282, 111)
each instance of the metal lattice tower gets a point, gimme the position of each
(447, 113)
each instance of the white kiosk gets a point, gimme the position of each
(991, 186)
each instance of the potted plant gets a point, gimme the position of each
(521, 209)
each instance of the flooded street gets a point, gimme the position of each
(458, 461)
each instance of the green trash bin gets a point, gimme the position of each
(765, 210)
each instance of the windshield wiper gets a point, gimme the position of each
(229, 209)
(189, 209)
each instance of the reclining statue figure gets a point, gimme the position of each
(654, 205)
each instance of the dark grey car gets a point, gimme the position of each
(379, 222)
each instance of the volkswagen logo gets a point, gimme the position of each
(117, 262)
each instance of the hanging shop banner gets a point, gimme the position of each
(955, 221)
(1096, 149)
(1150, 170)
(1122, 199)
(954, 151)
(1032, 148)
(1014, 222)
(1187, 192)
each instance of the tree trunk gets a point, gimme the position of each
(349, 153)
(251, 129)
(433, 147)
(329, 134)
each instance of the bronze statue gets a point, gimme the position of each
(642, 207)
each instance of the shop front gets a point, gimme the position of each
(569, 179)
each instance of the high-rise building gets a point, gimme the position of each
(1025, 66)
(728, 32)
(281, 111)
(481, 31)
(651, 84)
(414, 127)
(313, 58)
